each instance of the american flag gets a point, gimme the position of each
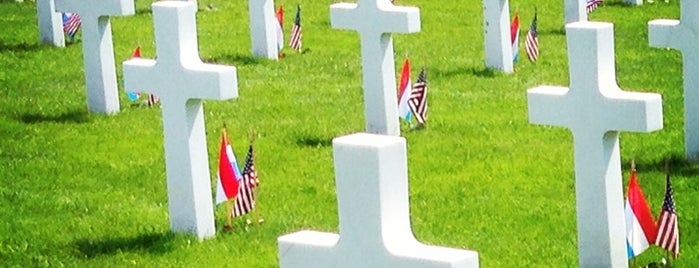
(71, 24)
(668, 231)
(152, 100)
(245, 200)
(418, 98)
(592, 5)
(531, 43)
(249, 173)
(296, 34)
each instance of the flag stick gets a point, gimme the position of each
(229, 214)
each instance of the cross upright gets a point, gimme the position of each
(595, 109)
(181, 80)
(263, 29)
(376, 20)
(498, 43)
(98, 50)
(372, 194)
(574, 10)
(683, 35)
(50, 23)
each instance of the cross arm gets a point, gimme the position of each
(635, 111)
(217, 82)
(393, 19)
(545, 105)
(664, 33)
(98, 7)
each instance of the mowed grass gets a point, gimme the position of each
(81, 189)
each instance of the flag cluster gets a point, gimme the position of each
(591, 5)
(234, 185)
(641, 229)
(71, 25)
(412, 101)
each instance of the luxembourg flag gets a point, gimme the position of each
(280, 28)
(640, 225)
(514, 37)
(405, 92)
(228, 172)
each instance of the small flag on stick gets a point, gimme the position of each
(296, 31)
(668, 229)
(640, 224)
(405, 92)
(592, 5)
(71, 24)
(280, 29)
(228, 184)
(514, 37)
(531, 43)
(418, 98)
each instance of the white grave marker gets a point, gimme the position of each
(682, 35)
(98, 50)
(375, 20)
(634, 2)
(263, 29)
(374, 212)
(180, 79)
(595, 109)
(50, 23)
(498, 46)
(575, 11)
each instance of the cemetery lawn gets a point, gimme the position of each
(81, 189)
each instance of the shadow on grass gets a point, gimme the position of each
(154, 243)
(21, 47)
(68, 117)
(677, 164)
(559, 31)
(236, 60)
(479, 72)
(314, 142)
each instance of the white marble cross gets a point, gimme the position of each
(50, 23)
(98, 50)
(376, 20)
(263, 29)
(575, 11)
(372, 194)
(595, 109)
(683, 35)
(498, 43)
(181, 80)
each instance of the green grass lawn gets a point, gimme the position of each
(81, 189)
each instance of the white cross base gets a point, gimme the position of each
(263, 29)
(372, 195)
(682, 35)
(180, 79)
(378, 70)
(498, 43)
(98, 50)
(50, 23)
(575, 11)
(595, 109)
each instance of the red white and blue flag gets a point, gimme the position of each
(531, 43)
(668, 236)
(405, 92)
(514, 37)
(245, 200)
(296, 32)
(280, 28)
(640, 225)
(228, 179)
(71, 24)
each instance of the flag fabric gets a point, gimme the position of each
(245, 200)
(531, 43)
(296, 33)
(668, 236)
(134, 95)
(71, 24)
(152, 100)
(418, 98)
(591, 5)
(280, 28)
(228, 184)
(514, 37)
(249, 173)
(405, 92)
(640, 224)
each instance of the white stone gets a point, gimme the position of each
(683, 35)
(263, 29)
(372, 193)
(634, 2)
(181, 80)
(575, 11)
(50, 23)
(98, 50)
(595, 109)
(376, 20)
(498, 46)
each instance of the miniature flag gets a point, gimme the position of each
(531, 43)
(640, 225)
(71, 24)
(668, 231)
(296, 33)
(245, 200)
(249, 173)
(418, 98)
(134, 95)
(152, 100)
(280, 28)
(514, 37)
(592, 5)
(405, 93)
(227, 186)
